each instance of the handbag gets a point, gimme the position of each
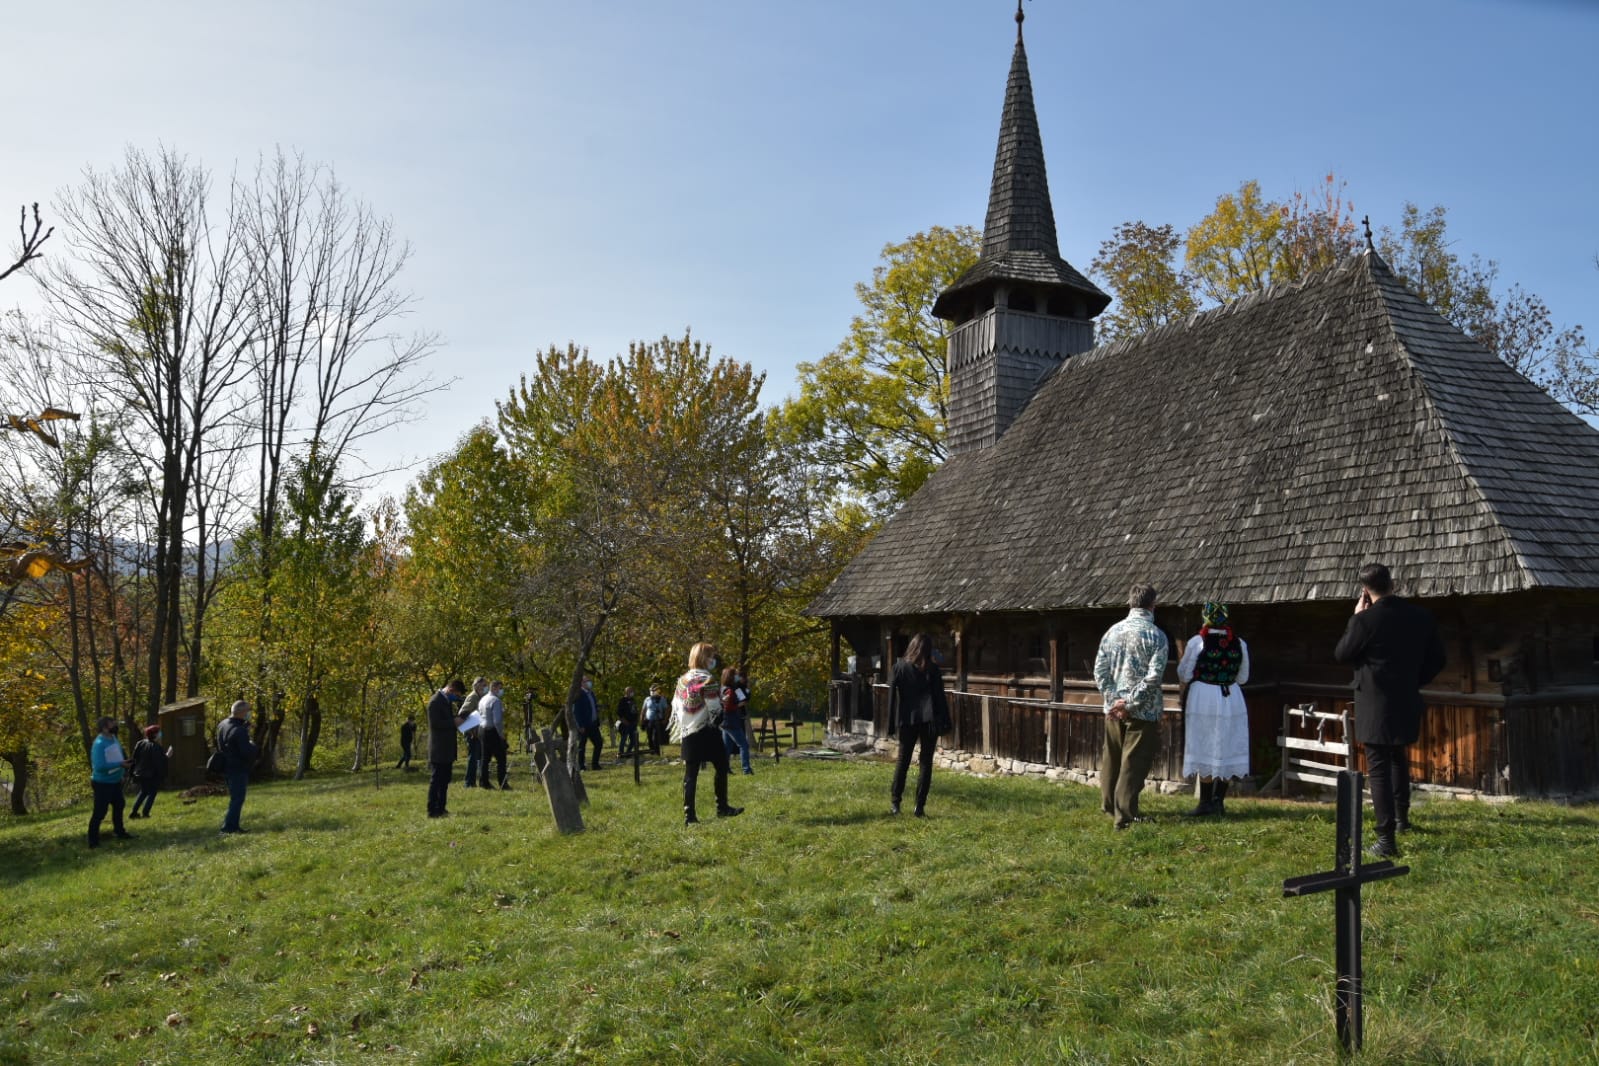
(217, 763)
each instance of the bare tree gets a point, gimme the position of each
(329, 363)
(153, 306)
(32, 241)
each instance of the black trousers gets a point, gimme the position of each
(909, 737)
(494, 747)
(107, 796)
(699, 748)
(1388, 773)
(590, 735)
(405, 757)
(146, 798)
(439, 788)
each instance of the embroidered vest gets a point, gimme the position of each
(1220, 660)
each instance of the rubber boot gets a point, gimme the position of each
(1207, 800)
(1218, 803)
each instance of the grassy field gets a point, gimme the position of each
(1011, 926)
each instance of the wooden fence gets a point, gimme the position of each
(1545, 745)
(1064, 735)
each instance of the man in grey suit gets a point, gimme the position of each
(1395, 649)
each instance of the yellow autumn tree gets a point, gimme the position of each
(26, 712)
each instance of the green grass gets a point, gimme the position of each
(1011, 926)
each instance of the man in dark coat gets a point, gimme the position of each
(444, 717)
(586, 713)
(239, 753)
(407, 738)
(1395, 649)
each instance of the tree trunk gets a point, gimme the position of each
(20, 767)
(270, 735)
(310, 732)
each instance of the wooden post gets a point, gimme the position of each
(834, 662)
(1056, 686)
(959, 626)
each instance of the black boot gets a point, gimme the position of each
(1218, 803)
(1385, 848)
(689, 817)
(1207, 800)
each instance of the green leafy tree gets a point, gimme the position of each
(1138, 265)
(468, 524)
(872, 413)
(1235, 250)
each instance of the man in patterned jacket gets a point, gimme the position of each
(1128, 670)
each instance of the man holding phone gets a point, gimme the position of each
(1395, 649)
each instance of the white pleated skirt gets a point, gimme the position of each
(1215, 732)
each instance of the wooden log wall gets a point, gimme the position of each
(1553, 750)
(1525, 748)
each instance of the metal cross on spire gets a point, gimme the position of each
(1019, 16)
(1367, 223)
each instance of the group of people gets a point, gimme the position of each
(1394, 647)
(148, 763)
(703, 716)
(480, 715)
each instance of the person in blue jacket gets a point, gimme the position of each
(240, 753)
(107, 762)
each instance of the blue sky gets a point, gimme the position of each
(604, 172)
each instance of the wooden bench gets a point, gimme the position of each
(772, 729)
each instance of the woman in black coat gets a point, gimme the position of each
(149, 770)
(918, 713)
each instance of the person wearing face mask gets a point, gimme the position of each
(696, 713)
(474, 736)
(586, 715)
(656, 708)
(735, 716)
(239, 753)
(149, 770)
(107, 761)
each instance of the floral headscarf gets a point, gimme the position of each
(1213, 615)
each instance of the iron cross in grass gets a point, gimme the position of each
(1344, 880)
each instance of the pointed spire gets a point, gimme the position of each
(1020, 217)
(1019, 241)
(1367, 223)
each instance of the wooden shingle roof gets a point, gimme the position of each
(1260, 452)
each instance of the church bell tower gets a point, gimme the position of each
(1021, 309)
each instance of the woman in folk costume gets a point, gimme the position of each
(1215, 718)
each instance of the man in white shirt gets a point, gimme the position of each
(495, 747)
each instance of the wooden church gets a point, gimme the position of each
(1256, 454)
